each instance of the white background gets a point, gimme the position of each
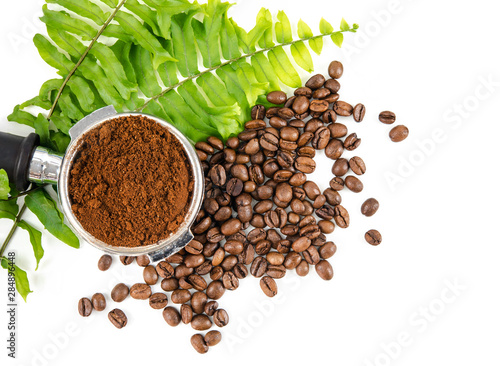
(432, 285)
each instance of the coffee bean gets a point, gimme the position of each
(352, 142)
(240, 271)
(255, 124)
(337, 184)
(234, 187)
(319, 106)
(205, 147)
(158, 300)
(215, 290)
(305, 165)
(258, 267)
(221, 319)
(332, 197)
(276, 97)
(273, 111)
(300, 104)
(387, 117)
(275, 258)
(334, 149)
(301, 244)
(342, 108)
(98, 302)
(304, 139)
(171, 316)
(373, 237)
(302, 269)
(201, 322)
(358, 112)
(304, 91)
(164, 269)
(142, 260)
(169, 284)
(126, 260)
(258, 112)
(321, 93)
(335, 69)
(150, 275)
(276, 271)
(321, 138)
(268, 286)
(332, 85)
(369, 207)
(353, 183)
(198, 301)
(118, 318)
(213, 338)
(286, 113)
(326, 226)
(197, 282)
(324, 270)
(329, 116)
(341, 216)
(311, 255)
(215, 142)
(217, 175)
(104, 262)
(315, 82)
(230, 281)
(357, 165)
(84, 307)
(199, 344)
(399, 133)
(340, 167)
(337, 130)
(211, 307)
(269, 141)
(140, 291)
(327, 250)
(182, 271)
(119, 292)
(246, 257)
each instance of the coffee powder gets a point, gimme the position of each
(131, 183)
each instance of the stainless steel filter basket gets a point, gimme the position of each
(48, 167)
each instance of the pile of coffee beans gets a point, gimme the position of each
(261, 215)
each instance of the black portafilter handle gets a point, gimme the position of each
(16, 153)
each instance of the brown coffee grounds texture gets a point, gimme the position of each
(131, 183)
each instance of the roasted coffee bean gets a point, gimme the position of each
(387, 117)
(373, 237)
(275, 258)
(303, 91)
(326, 212)
(252, 146)
(337, 130)
(305, 165)
(217, 175)
(233, 247)
(126, 260)
(369, 207)
(353, 183)
(197, 282)
(301, 244)
(158, 300)
(268, 286)
(230, 281)
(249, 186)
(297, 179)
(305, 138)
(276, 97)
(297, 206)
(326, 226)
(328, 116)
(256, 235)
(332, 197)
(311, 255)
(335, 69)
(104, 262)
(204, 268)
(199, 344)
(211, 307)
(142, 260)
(399, 133)
(215, 142)
(307, 220)
(272, 219)
(263, 247)
(292, 260)
(306, 151)
(213, 236)
(210, 205)
(319, 106)
(202, 155)
(342, 108)
(119, 292)
(258, 267)
(221, 319)
(321, 93)
(286, 113)
(341, 216)
(229, 262)
(184, 284)
(324, 270)
(269, 141)
(186, 313)
(319, 201)
(234, 187)
(203, 225)
(340, 167)
(240, 271)
(240, 171)
(277, 122)
(170, 284)
(357, 165)
(327, 250)
(334, 149)
(282, 175)
(284, 246)
(310, 231)
(242, 159)
(258, 112)
(215, 290)
(315, 82)
(194, 247)
(218, 257)
(256, 174)
(84, 307)
(150, 275)
(118, 318)
(313, 124)
(205, 147)
(171, 316)
(276, 271)
(337, 184)
(358, 112)
(198, 301)
(140, 291)
(213, 338)
(332, 85)
(201, 322)
(182, 271)
(229, 155)
(246, 257)
(230, 227)
(289, 230)
(300, 104)
(98, 302)
(164, 269)
(303, 268)
(255, 124)
(273, 111)
(321, 138)
(352, 142)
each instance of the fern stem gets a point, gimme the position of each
(213, 68)
(104, 26)
(12, 229)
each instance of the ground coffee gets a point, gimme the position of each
(131, 183)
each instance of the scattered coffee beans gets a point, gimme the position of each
(399, 133)
(84, 307)
(98, 302)
(199, 344)
(373, 237)
(387, 117)
(369, 207)
(104, 262)
(117, 318)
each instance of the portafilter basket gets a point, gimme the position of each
(26, 162)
